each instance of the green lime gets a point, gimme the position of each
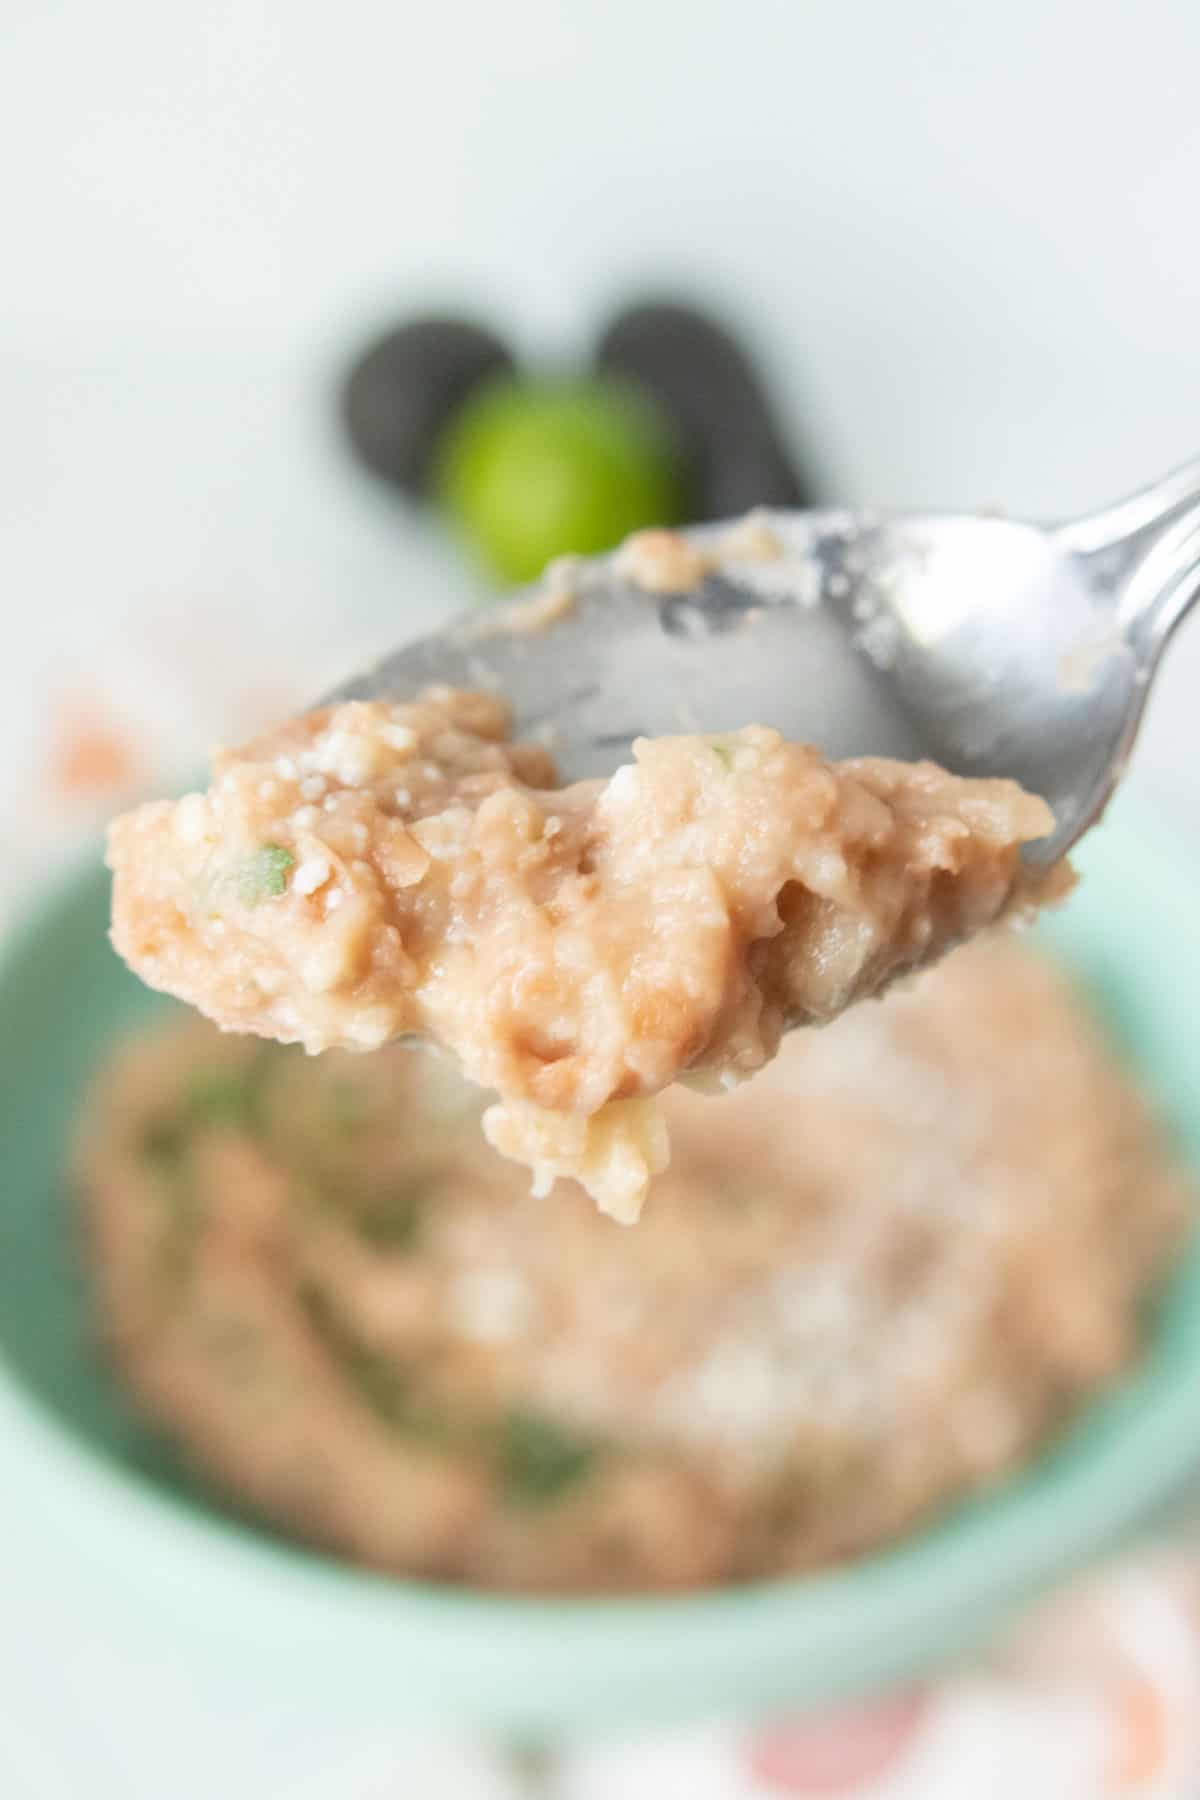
(530, 470)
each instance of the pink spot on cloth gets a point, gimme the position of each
(834, 1753)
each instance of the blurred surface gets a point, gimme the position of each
(963, 256)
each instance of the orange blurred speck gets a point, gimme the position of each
(1141, 1722)
(90, 756)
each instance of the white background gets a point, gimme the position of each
(965, 237)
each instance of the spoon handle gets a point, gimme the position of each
(1123, 524)
(1148, 548)
(1162, 587)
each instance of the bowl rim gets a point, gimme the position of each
(505, 1658)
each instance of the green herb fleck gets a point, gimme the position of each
(537, 1459)
(390, 1218)
(181, 1232)
(380, 1385)
(163, 1141)
(164, 1147)
(381, 1216)
(214, 1098)
(723, 753)
(263, 876)
(222, 1097)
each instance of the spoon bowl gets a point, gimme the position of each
(991, 646)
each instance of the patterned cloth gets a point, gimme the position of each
(1099, 1696)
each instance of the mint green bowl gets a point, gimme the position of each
(154, 1549)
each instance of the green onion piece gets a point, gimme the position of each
(379, 1384)
(390, 1218)
(537, 1459)
(263, 876)
(222, 1097)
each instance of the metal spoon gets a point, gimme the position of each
(994, 647)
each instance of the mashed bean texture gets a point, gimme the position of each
(378, 870)
(872, 1280)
